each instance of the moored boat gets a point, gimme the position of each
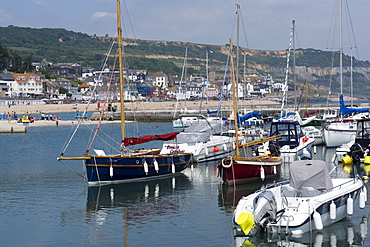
(311, 200)
(128, 166)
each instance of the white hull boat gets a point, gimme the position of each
(185, 121)
(311, 200)
(336, 134)
(206, 141)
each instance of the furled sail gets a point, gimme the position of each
(143, 139)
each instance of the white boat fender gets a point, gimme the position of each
(365, 193)
(349, 205)
(146, 167)
(156, 167)
(333, 211)
(206, 150)
(227, 164)
(262, 173)
(314, 149)
(275, 170)
(173, 168)
(111, 171)
(317, 220)
(225, 147)
(362, 201)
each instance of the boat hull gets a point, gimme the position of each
(337, 134)
(248, 170)
(119, 169)
(298, 214)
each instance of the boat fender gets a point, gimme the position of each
(225, 147)
(349, 205)
(206, 150)
(227, 162)
(262, 173)
(156, 167)
(146, 167)
(304, 139)
(275, 170)
(333, 211)
(216, 149)
(361, 203)
(317, 220)
(173, 168)
(111, 171)
(246, 222)
(365, 192)
(367, 160)
(347, 160)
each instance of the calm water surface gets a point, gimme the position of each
(43, 203)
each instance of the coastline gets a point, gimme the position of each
(130, 106)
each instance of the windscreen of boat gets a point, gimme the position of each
(310, 173)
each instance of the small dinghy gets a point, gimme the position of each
(311, 200)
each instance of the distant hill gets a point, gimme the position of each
(60, 45)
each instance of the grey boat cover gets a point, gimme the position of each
(310, 173)
(199, 132)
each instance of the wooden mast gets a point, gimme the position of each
(120, 49)
(234, 100)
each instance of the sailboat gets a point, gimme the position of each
(130, 166)
(338, 133)
(238, 169)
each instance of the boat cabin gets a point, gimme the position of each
(363, 132)
(290, 132)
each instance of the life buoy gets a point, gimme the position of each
(304, 139)
(226, 164)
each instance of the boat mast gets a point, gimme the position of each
(234, 100)
(341, 50)
(120, 49)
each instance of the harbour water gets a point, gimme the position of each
(43, 203)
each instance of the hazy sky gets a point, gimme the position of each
(265, 24)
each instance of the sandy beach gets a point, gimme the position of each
(139, 106)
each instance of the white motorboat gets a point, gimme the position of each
(185, 121)
(205, 140)
(311, 200)
(338, 133)
(314, 132)
(293, 143)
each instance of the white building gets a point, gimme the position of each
(26, 84)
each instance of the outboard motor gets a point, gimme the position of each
(264, 207)
(274, 148)
(356, 152)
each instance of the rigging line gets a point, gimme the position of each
(353, 31)
(245, 33)
(129, 19)
(102, 111)
(87, 106)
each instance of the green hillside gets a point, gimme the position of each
(63, 46)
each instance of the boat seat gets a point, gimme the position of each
(309, 192)
(289, 191)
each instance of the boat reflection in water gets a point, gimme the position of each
(137, 201)
(343, 233)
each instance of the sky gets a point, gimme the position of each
(264, 25)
